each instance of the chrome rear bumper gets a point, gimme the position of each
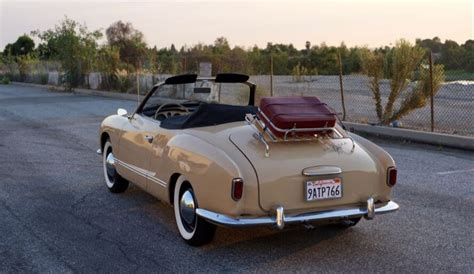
(279, 219)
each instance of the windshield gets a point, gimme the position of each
(201, 91)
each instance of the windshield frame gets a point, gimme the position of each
(192, 78)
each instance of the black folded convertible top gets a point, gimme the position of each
(209, 115)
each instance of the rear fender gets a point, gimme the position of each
(383, 160)
(210, 171)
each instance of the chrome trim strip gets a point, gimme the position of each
(225, 220)
(142, 172)
(136, 169)
(321, 170)
(158, 181)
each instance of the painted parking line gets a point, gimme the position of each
(455, 171)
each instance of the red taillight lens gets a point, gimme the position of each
(391, 176)
(237, 188)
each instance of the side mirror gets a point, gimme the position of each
(121, 112)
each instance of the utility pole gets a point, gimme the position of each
(138, 82)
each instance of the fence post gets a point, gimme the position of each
(431, 91)
(341, 86)
(271, 75)
(138, 83)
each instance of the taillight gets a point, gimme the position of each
(237, 188)
(391, 176)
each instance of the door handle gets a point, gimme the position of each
(148, 138)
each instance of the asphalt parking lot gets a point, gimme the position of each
(56, 214)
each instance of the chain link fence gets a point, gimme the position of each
(351, 96)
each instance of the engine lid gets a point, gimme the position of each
(282, 177)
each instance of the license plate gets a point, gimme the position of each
(323, 189)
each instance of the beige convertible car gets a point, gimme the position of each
(218, 165)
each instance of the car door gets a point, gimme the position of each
(135, 149)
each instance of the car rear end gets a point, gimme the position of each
(308, 168)
(314, 181)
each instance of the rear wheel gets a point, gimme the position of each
(115, 183)
(193, 229)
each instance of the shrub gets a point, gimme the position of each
(26, 64)
(44, 78)
(420, 94)
(299, 72)
(5, 81)
(403, 60)
(124, 83)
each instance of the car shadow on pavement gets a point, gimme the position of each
(265, 245)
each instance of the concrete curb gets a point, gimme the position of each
(107, 94)
(94, 92)
(82, 91)
(440, 139)
(52, 87)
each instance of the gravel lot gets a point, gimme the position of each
(57, 216)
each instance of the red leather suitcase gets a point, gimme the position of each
(281, 114)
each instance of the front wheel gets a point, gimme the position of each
(193, 229)
(115, 183)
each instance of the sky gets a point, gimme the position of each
(246, 23)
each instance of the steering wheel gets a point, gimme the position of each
(181, 107)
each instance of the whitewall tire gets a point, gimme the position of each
(193, 229)
(115, 183)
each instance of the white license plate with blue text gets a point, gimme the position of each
(323, 189)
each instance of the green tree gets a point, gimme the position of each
(221, 46)
(168, 60)
(435, 44)
(74, 46)
(108, 63)
(452, 55)
(24, 45)
(469, 56)
(129, 41)
(7, 51)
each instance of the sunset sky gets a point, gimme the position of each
(246, 23)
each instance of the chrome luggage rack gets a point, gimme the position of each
(265, 136)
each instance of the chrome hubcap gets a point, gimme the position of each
(110, 164)
(187, 207)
